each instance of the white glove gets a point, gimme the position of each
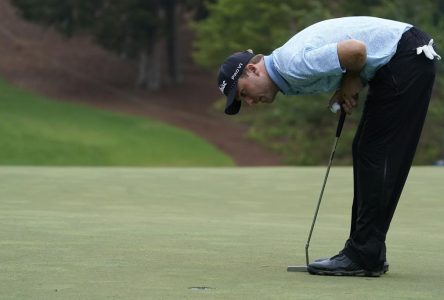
(335, 107)
(428, 50)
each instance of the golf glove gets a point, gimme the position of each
(428, 51)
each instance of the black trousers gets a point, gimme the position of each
(385, 144)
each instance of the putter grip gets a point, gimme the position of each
(340, 123)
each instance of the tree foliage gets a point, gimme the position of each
(131, 28)
(298, 127)
(260, 25)
(66, 16)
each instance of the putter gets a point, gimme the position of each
(307, 245)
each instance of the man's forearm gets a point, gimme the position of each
(352, 57)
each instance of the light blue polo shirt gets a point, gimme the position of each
(308, 63)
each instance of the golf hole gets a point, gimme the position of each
(200, 288)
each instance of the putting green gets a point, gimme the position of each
(164, 233)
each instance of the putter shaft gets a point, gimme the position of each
(307, 245)
(332, 155)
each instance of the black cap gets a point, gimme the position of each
(229, 73)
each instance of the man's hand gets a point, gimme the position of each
(347, 106)
(348, 93)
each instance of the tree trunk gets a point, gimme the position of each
(171, 16)
(149, 67)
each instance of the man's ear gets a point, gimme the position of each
(252, 68)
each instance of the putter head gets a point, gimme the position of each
(297, 269)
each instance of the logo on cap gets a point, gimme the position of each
(222, 86)
(237, 70)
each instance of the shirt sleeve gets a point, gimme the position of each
(321, 61)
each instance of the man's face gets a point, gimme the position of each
(255, 87)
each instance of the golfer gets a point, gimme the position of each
(342, 56)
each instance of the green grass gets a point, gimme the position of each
(152, 233)
(37, 131)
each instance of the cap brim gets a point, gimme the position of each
(233, 106)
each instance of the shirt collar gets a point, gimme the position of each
(275, 76)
